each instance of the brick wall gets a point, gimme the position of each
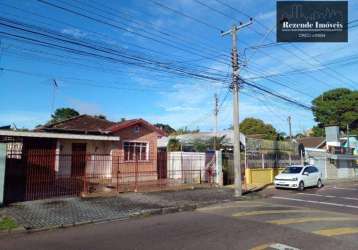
(147, 169)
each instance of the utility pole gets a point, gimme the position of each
(348, 144)
(235, 92)
(216, 112)
(289, 126)
(55, 86)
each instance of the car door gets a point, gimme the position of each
(308, 179)
(312, 175)
(316, 175)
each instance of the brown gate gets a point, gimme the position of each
(162, 165)
(78, 160)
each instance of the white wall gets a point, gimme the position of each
(100, 163)
(190, 167)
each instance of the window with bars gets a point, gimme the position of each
(135, 151)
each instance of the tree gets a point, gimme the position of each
(186, 130)
(165, 127)
(173, 145)
(103, 117)
(253, 126)
(336, 107)
(61, 114)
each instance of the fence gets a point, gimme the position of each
(257, 167)
(271, 159)
(44, 174)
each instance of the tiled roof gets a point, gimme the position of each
(125, 124)
(311, 142)
(91, 124)
(81, 123)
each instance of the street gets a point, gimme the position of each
(314, 219)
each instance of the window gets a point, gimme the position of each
(135, 151)
(314, 169)
(292, 170)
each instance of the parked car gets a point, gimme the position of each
(299, 177)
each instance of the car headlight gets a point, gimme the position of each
(295, 179)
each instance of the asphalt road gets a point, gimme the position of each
(314, 219)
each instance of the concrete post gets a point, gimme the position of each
(2, 172)
(219, 168)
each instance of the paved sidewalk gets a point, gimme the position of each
(73, 211)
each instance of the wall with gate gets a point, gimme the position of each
(32, 175)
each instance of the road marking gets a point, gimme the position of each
(280, 246)
(331, 196)
(315, 202)
(337, 231)
(261, 247)
(263, 212)
(308, 219)
(277, 246)
(320, 195)
(341, 188)
(232, 206)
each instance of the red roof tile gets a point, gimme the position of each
(91, 124)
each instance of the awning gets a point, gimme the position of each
(14, 133)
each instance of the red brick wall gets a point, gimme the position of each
(146, 169)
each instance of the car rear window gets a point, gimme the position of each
(292, 170)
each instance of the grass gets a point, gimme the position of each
(7, 223)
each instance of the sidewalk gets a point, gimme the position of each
(65, 212)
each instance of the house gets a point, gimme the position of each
(312, 142)
(80, 154)
(331, 154)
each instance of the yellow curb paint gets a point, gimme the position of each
(263, 212)
(337, 231)
(308, 219)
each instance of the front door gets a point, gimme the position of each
(78, 160)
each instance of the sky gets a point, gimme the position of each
(154, 29)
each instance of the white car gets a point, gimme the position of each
(299, 177)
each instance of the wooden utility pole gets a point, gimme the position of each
(235, 92)
(216, 112)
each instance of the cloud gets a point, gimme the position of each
(77, 33)
(266, 15)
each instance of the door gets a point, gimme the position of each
(162, 165)
(78, 160)
(311, 177)
(316, 175)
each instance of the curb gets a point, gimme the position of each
(141, 214)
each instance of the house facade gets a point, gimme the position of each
(81, 154)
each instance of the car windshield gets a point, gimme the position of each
(292, 170)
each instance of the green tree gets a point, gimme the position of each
(253, 126)
(173, 145)
(103, 117)
(186, 130)
(165, 127)
(336, 107)
(61, 114)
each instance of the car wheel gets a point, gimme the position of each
(301, 186)
(319, 183)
